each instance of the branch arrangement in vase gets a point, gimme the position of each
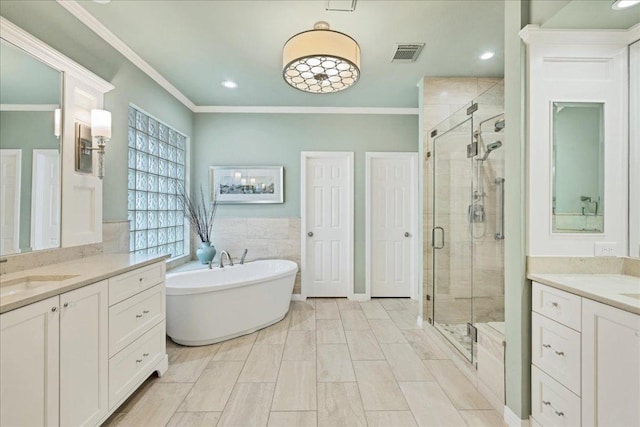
(200, 215)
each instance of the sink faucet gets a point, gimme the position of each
(222, 254)
(244, 255)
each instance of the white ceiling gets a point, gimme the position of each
(197, 44)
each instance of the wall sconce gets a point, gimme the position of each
(101, 131)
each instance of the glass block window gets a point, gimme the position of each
(156, 172)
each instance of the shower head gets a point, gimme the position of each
(494, 146)
(490, 148)
(499, 125)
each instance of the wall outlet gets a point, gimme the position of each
(605, 249)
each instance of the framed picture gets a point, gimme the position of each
(247, 184)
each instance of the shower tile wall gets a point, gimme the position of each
(441, 98)
(264, 237)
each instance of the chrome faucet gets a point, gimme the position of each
(244, 255)
(222, 254)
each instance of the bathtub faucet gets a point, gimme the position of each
(222, 254)
(244, 255)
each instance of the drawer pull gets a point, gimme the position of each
(559, 353)
(54, 309)
(138, 316)
(141, 279)
(138, 360)
(145, 312)
(145, 354)
(553, 304)
(548, 403)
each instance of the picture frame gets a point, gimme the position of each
(247, 184)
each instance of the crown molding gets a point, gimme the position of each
(97, 27)
(304, 110)
(45, 53)
(534, 34)
(84, 16)
(28, 107)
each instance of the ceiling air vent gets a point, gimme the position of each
(406, 52)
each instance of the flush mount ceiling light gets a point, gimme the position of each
(623, 4)
(487, 55)
(229, 84)
(321, 60)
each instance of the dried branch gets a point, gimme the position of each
(200, 216)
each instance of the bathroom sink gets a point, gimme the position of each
(636, 296)
(27, 283)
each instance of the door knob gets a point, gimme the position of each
(310, 234)
(406, 234)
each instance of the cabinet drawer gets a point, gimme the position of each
(551, 403)
(556, 350)
(557, 305)
(133, 282)
(134, 316)
(132, 365)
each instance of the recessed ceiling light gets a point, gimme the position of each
(623, 4)
(102, 1)
(229, 84)
(488, 55)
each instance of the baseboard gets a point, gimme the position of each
(359, 297)
(513, 420)
(298, 297)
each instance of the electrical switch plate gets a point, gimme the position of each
(605, 249)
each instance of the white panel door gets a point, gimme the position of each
(29, 365)
(45, 200)
(391, 211)
(327, 224)
(10, 170)
(84, 364)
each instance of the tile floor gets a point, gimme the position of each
(329, 362)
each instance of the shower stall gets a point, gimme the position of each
(467, 234)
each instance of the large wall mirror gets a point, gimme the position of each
(30, 185)
(578, 167)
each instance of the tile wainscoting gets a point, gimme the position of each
(263, 237)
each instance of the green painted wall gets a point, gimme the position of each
(26, 130)
(517, 290)
(52, 24)
(278, 139)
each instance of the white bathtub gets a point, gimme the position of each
(208, 306)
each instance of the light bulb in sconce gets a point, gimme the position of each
(101, 124)
(57, 117)
(101, 130)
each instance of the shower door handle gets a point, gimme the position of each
(433, 238)
(500, 217)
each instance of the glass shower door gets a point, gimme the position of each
(452, 245)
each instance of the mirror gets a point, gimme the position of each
(30, 105)
(578, 167)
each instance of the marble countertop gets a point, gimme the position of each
(617, 290)
(82, 272)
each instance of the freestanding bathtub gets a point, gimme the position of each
(208, 306)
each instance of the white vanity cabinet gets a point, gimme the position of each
(54, 360)
(72, 359)
(585, 361)
(610, 366)
(29, 365)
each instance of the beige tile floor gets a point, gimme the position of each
(329, 362)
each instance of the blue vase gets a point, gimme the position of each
(206, 252)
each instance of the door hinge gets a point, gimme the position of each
(428, 297)
(473, 108)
